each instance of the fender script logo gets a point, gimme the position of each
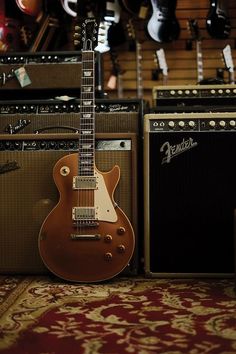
(171, 151)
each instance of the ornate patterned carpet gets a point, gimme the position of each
(41, 315)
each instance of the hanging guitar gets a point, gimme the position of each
(196, 36)
(86, 237)
(217, 20)
(229, 64)
(160, 54)
(163, 25)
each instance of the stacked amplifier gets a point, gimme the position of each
(43, 73)
(34, 134)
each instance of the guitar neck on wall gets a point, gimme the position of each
(138, 57)
(195, 34)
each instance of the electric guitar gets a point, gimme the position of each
(163, 25)
(217, 21)
(86, 237)
(30, 7)
(195, 33)
(229, 65)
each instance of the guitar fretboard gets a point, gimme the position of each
(87, 117)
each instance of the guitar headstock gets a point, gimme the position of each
(85, 36)
(162, 61)
(194, 29)
(228, 60)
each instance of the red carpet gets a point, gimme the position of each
(40, 315)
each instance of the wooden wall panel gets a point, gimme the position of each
(180, 59)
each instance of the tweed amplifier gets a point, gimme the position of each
(166, 99)
(190, 194)
(53, 116)
(28, 192)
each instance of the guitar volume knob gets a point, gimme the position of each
(108, 256)
(121, 230)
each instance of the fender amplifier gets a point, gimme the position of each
(190, 194)
(55, 116)
(28, 192)
(44, 74)
(194, 98)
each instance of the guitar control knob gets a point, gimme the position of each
(108, 256)
(108, 238)
(171, 124)
(121, 248)
(121, 230)
(232, 123)
(222, 123)
(212, 123)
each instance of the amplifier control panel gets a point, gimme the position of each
(191, 122)
(71, 106)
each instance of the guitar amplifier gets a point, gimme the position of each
(55, 116)
(57, 72)
(28, 192)
(189, 194)
(196, 98)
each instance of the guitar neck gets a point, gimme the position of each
(139, 70)
(199, 61)
(87, 116)
(120, 91)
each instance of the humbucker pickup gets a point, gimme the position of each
(84, 182)
(81, 213)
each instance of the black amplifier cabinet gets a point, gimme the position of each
(53, 72)
(195, 98)
(190, 194)
(55, 116)
(28, 192)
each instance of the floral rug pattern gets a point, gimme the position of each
(43, 315)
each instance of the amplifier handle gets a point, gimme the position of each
(40, 130)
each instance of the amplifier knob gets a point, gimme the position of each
(227, 90)
(195, 92)
(42, 145)
(234, 90)
(187, 92)
(181, 124)
(191, 123)
(232, 123)
(213, 91)
(180, 92)
(220, 91)
(222, 123)
(172, 92)
(212, 123)
(171, 124)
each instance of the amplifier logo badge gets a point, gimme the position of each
(171, 151)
